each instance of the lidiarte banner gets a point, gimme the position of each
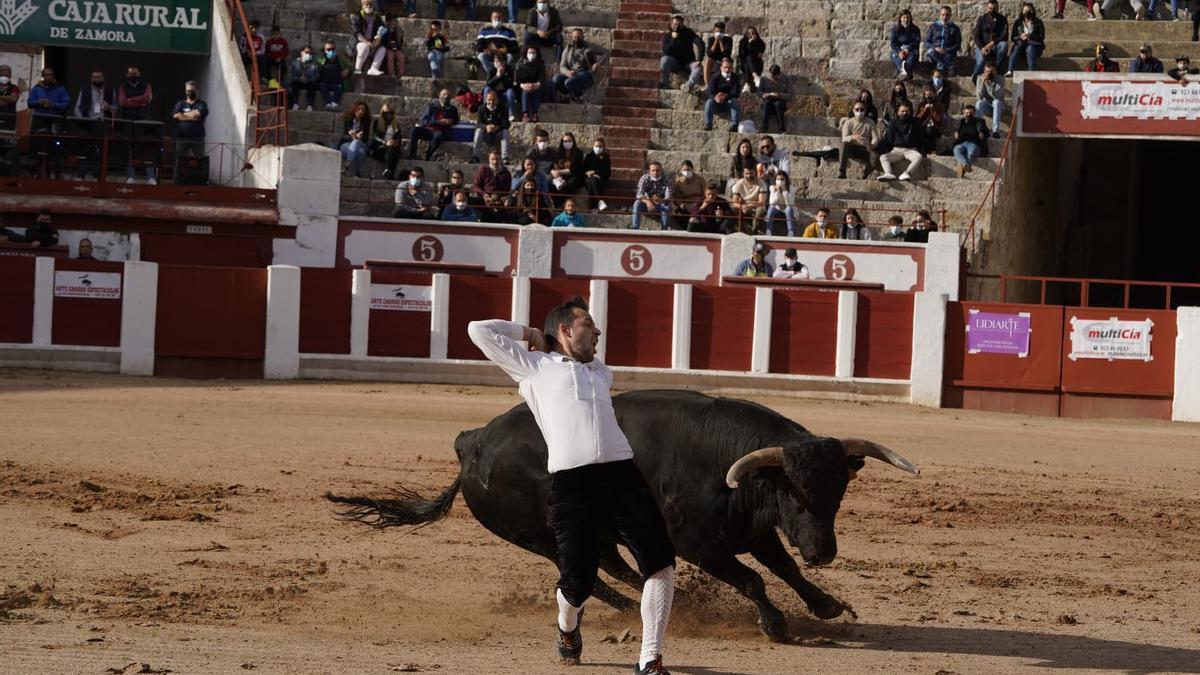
(133, 25)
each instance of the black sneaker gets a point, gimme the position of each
(570, 644)
(655, 667)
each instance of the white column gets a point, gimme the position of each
(734, 249)
(928, 349)
(139, 312)
(281, 355)
(43, 299)
(943, 264)
(439, 318)
(135, 246)
(681, 328)
(360, 312)
(847, 327)
(520, 300)
(1186, 407)
(598, 303)
(760, 349)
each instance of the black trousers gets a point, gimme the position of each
(587, 500)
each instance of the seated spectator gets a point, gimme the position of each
(568, 217)
(776, 91)
(990, 37)
(544, 28)
(85, 251)
(653, 194)
(1028, 38)
(743, 158)
(718, 46)
(772, 159)
(494, 39)
(711, 214)
(414, 199)
(369, 30)
(906, 45)
(898, 96)
(930, 115)
(688, 188)
(723, 92)
(436, 47)
(530, 205)
(1102, 64)
(10, 93)
(756, 265)
(1150, 11)
(436, 119)
(502, 83)
(528, 78)
(331, 75)
(1145, 62)
(356, 134)
(492, 127)
(1194, 13)
(853, 226)
(941, 88)
(393, 42)
(989, 95)
(189, 115)
(529, 171)
(48, 102)
(942, 41)
(566, 174)
(860, 135)
(748, 196)
(40, 233)
(278, 51)
(682, 51)
(253, 48)
(447, 190)
(597, 171)
(386, 139)
(868, 104)
(303, 76)
(970, 140)
(820, 228)
(541, 152)
(576, 68)
(894, 230)
(1099, 8)
(491, 178)
(1183, 68)
(922, 225)
(750, 58)
(460, 210)
(904, 139)
(780, 203)
(791, 267)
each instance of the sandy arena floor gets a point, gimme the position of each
(179, 525)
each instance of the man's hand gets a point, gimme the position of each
(536, 340)
(939, 50)
(720, 97)
(490, 128)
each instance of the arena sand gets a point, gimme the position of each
(164, 525)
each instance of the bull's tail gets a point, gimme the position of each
(405, 507)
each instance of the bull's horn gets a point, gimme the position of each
(756, 460)
(863, 448)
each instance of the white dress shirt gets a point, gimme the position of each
(569, 399)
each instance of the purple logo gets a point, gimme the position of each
(996, 333)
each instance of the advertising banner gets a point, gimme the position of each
(402, 298)
(998, 333)
(179, 26)
(1110, 339)
(95, 285)
(1141, 100)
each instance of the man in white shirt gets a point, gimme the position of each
(593, 478)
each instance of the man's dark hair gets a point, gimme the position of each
(563, 315)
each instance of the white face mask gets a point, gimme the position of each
(414, 181)
(495, 23)
(895, 229)
(858, 114)
(4, 80)
(491, 106)
(779, 184)
(685, 173)
(368, 10)
(531, 56)
(541, 145)
(725, 74)
(460, 205)
(542, 7)
(598, 149)
(568, 144)
(305, 57)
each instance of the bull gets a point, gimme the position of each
(725, 473)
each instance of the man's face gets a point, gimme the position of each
(456, 178)
(1146, 53)
(904, 112)
(747, 174)
(444, 96)
(944, 15)
(577, 36)
(821, 216)
(43, 219)
(726, 69)
(494, 161)
(655, 170)
(569, 207)
(991, 7)
(767, 147)
(968, 113)
(48, 76)
(491, 99)
(710, 194)
(85, 247)
(98, 79)
(579, 338)
(530, 166)
(496, 16)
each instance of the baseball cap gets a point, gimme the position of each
(1145, 47)
(789, 253)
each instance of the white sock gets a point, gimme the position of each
(568, 614)
(657, 595)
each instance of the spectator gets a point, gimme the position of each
(860, 135)
(436, 119)
(681, 49)
(776, 92)
(780, 201)
(853, 226)
(990, 37)
(436, 47)
(492, 127)
(568, 217)
(941, 88)
(1102, 64)
(278, 51)
(970, 140)
(528, 78)
(254, 50)
(566, 173)
(1028, 38)
(501, 82)
(494, 39)
(96, 101)
(989, 95)
(748, 197)
(1145, 62)
(544, 28)
(904, 139)
(1099, 8)
(1183, 68)
(514, 6)
(576, 68)
(134, 97)
(756, 265)
(791, 268)
(922, 225)
(447, 190)
(868, 104)
(597, 170)
(41, 233)
(894, 230)
(386, 139)
(688, 188)
(541, 152)
(723, 92)
(930, 115)
(189, 115)
(530, 205)
(906, 45)
(711, 213)
(1150, 11)
(48, 101)
(303, 75)
(459, 211)
(393, 42)
(356, 133)
(331, 76)
(529, 171)
(942, 41)
(898, 96)
(653, 194)
(743, 158)
(820, 228)
(85, 251)
(9, 95)
(750, 58)
(717, 47)
(369, 30)
(413, 199)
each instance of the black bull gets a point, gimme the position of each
(692, 449)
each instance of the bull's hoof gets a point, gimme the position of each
(774, 626)
(828, 608)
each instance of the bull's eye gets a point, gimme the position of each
(855, 462)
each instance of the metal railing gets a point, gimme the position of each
(990, 195)
(1087, 292)
(270, 106)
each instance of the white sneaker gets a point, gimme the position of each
(358, 71)
(295, 106)
(130, 180)
(905, 176)
(374, 72)
(746, 88)
(308, 108)
(151, 181)
(329, 105)
(903, 71)
(602, 205)
(887, 176)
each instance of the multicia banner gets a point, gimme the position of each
(162, 26)
(1141, 100)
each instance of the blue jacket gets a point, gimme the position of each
(1146, 65)
(909, 38)
(434, 111)
(946, 36)
(59, 99)
(452, 214)
(567, 220)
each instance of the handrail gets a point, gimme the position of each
(991, 191)
(1085, 284)
(268, 130)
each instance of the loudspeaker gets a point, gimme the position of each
(191, 171)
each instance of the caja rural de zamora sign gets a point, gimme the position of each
(163, 26)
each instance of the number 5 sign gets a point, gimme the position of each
(839, 268)
(636, 260)
(427, 248)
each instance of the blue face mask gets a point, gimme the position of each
(331, 53)
(937, 82)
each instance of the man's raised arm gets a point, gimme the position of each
(497, 339)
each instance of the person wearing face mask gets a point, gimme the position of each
(134, 96)
(491, 127)
(791, 267)
(990, 37)
(492, 180)
(904, 139)
(776, 91)
(48, 102)
(943, 39)
(566, 174)
(756, 265)
(303, 79)
(941, 88)
(1028, 38)
(749, 62)
(898, 96)
(495, 39)
(41, 233)
(530, 204)
(894, 230)
(576, 68)
(368, 28)
(682, 51)
(530, 171)
(860, 135)
(723, 91)
(820, 228)
(189, 115)
(436, 119)
(930, 115)
(1183, 68)
(447, 190)
(989, 97)
(970, 140)
(597, 170)
(544, 28)
(541, 152)
(414, 199)
(868, 104)
(277, 51)
(501, 82)
(331, 75)
(9, 95)
(780, 203)
(386, 138)
(853, 226)
(718, 46)
(688, 188)
(906, 45)
(569, 216)
(528, 78)
(459, 210)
